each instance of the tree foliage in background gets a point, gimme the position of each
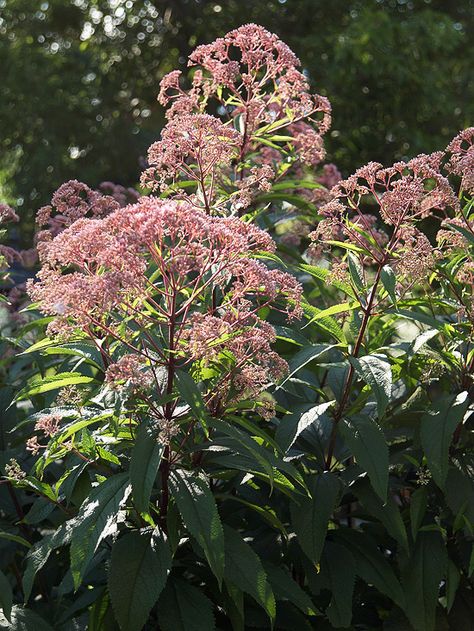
(79, 79)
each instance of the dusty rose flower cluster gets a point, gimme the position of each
(95, 278)
(130, 369)
(461, 162)
(48, 425)
(403, 195)
(253, 80)
(72, 201)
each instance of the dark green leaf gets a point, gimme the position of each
(6, 596)
(24, 620)
(138, 571)
(367, 444)
(199, 512)
(388, 513)
(310, 516)
(292, 426)
(371, 565)
(244, 569)
(338, 566)
(144, 464)
(418, 504)
(183, 607)
(376, 372)
(285, 588)
(437, 428)
(95, 521)
(422, 578)
(303, 357)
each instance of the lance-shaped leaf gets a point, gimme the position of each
(367, 444)
(199, 512)
(138, 571)
(183, 607)
(371, 565)
(376, 372)
(285, 588)
(144, 463)
(95, 522)
(310, 516)
(437, 428)
(388, 513)
(6, 596)
(24, 620)
(422, 578)
(389, 281)
(291, 427)
(304, 357)
(39, 385)
(338, 568)
(244, 569)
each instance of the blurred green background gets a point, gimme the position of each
(79, 79)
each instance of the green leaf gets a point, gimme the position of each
(285, 588)
(24, 620)
(323, 274)
(310, 516)
(39, 385)
(191, 394)
(304, 357)
(453, 578)
(139, 568)
(183, 607)
(367, 444)
(389, 281)
(327, 324)
(39, 554)
(437, 428)
(144, 463)
(292, 426)
(356, 272)
(95, 521)
(422, 579)
(334, 310)
(16, 538)
(388, 513)
(418, 504)
(244, 569)
(6, 596)
(338, 566)
(376, 372)
(199, 512)
(371, 565)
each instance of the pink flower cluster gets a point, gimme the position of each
(403, 194)
(243, 342)
(253, 79)
(131, 370)
(461, 162)
(72, 201)
(193, 146)
(96, 276)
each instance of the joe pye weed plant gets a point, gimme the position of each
(244, 400)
